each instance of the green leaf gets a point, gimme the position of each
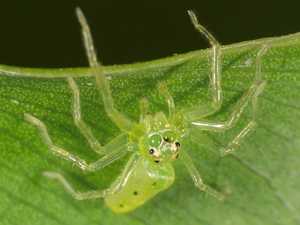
(260, 181)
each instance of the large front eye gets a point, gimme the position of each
(155, 140)
(169, 137)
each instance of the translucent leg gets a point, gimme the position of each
(235, 142)
(162, 87)
(253, 91)
(104, 161)
(75, 194)
(197, 178)
(99, 193)
(85, 130)
(196, 112)
(103, 85)
(211, 144)
(214, 146)
(250, 95)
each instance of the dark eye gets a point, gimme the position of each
(169, 136)
(151, 151)
(177, 144)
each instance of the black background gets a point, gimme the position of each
(44, 33)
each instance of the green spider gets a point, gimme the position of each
(157, 140)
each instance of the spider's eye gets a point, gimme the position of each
(155, 140)
(169, 137)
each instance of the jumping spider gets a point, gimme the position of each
(157, 140)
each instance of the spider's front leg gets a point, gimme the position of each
(103, 85)
(113, 155)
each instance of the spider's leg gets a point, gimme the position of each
(162, 87)
(85, 130)
(232, 145)
(99, 193)
(250, 95)
(98, 71)
(104, 161)
(196, 112)
(252, 92)
(209, 143)
(75, 194)
(124, 177)
(196, 176)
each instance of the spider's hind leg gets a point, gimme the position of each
(251, 95)
(98, 193)
(75, 194)
(253, 123)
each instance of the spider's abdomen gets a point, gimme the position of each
(145, 181)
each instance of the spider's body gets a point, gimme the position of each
(143, 182)
(158, 146)
(157, 140)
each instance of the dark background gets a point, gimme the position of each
(44, 33)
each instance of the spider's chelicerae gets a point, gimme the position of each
(157, 140)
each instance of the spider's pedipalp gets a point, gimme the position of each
(163, 89)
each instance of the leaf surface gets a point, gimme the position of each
(260, 181)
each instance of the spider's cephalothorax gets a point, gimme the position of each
(161, 143)
(156, 140)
